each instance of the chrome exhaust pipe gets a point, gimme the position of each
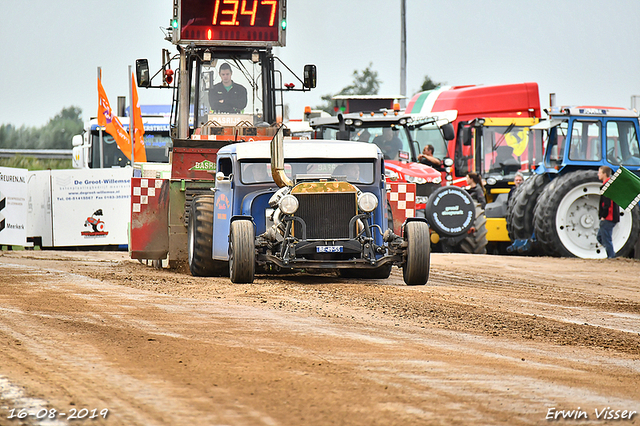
(277, 160)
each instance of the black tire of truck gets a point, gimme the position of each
(476, 242)
(242, 252)
(415, 270)
(509, 215)
(570, 186)
(520, 210)
(200, 240)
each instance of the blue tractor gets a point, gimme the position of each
(555, 211)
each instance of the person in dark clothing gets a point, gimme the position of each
(476, 189)
(429, 159)
(389, 143)
(227, 96)
(609, 214)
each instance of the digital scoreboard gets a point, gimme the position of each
(230, 22)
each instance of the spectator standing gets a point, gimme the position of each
(517, 180)
(475, 188)
(609, 214)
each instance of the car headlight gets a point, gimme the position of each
(437, 180)
(416, 180)
(491, 181)
(367, 202)
(289, 204)
(448, 162)
(391, 174)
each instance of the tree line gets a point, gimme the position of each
(56, 134)
(367, 82)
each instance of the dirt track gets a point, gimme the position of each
(490, 340)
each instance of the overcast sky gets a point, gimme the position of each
(586, 51)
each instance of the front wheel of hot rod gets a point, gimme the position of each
(242, 252)
(417, 259)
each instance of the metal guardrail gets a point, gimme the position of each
(64, 154)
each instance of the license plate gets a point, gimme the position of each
(328, 249)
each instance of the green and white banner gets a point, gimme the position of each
(623, 188)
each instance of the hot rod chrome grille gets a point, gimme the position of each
(327, 214)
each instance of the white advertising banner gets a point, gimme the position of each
(39, 207)
(91, 206)
(13, 206)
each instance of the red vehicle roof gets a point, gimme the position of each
(505, 100)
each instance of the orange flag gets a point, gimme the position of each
(112, 123)
(140, 154)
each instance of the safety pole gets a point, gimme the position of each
(403, 52)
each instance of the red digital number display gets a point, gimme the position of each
(252, 22)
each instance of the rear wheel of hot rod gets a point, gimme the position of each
(242, 252)
(200, 237)
(416, 267)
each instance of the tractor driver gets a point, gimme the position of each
(428, 158)
(389, 143)
(227, 96)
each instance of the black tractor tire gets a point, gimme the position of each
(476, 242)
(509, 215)
(543, 241)
(200, 240)
(242, 252)
(523, 202)
(450, 211)
(569, 222)
(415, 270)
(379, 273)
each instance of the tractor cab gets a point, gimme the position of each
(586, 136)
